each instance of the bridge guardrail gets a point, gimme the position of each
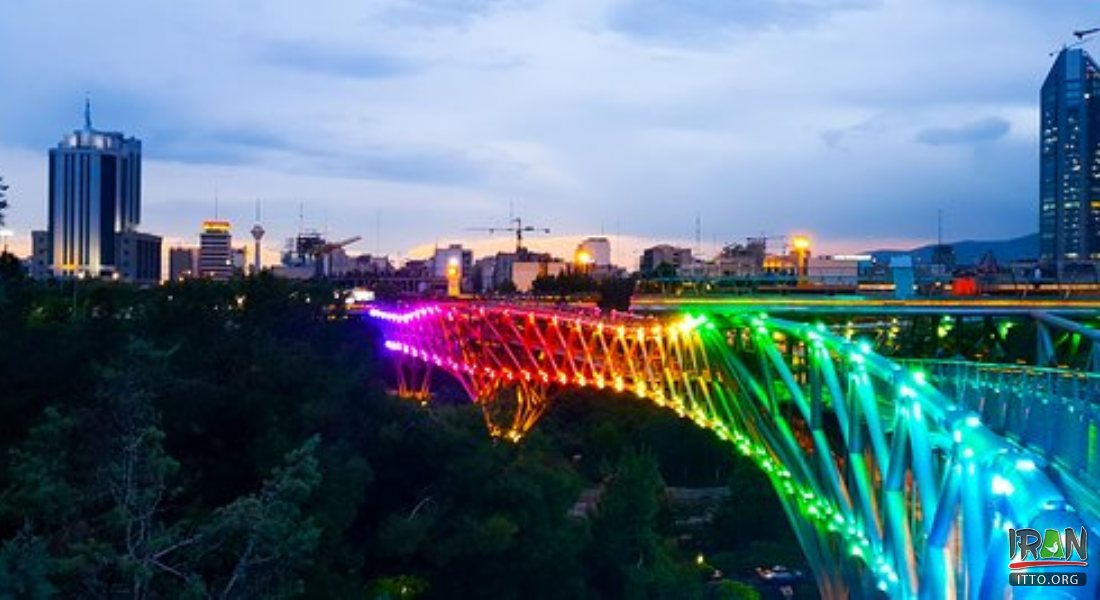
(1053, 411)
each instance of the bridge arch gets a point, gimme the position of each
(889, 485)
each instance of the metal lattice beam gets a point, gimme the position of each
(889, 483)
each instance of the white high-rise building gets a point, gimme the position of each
(594, 251)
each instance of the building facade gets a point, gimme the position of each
(663, 254)
(137, 257)
(452, 255)
(1069, 173)
(216, 259)
(40, 255)
(181, 263)
(595, 251)
(94, 194)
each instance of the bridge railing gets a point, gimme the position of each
(1053, 411)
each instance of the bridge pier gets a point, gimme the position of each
(414, 378)
(511, 411)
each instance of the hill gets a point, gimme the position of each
(969, 252)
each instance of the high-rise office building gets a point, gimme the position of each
(181, 263)
(215, 251)
(94, 194)
(1069, 172)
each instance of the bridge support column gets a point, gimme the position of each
(511, 412)
(414, 378)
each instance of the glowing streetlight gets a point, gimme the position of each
(801, 246)
(454, 276)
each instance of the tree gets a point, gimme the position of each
(267, 536)
(733, 590)
(131, 473)
(24, 567)
(615, 294)
(751, 512)
(630, 558)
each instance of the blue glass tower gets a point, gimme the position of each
(1069, 172)
(94, 193)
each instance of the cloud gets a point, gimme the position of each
(259, 147)
(835, 137)
(762, 115)
(983, 130)
(341, 62)
(447, 13)
(697, 21)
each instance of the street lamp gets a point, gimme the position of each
(454, 277)
(801, 245)
(583, 260)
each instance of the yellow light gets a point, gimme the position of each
(800, 242)
(215, 226)
(583, 257)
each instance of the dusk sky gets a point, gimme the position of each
(853, 120)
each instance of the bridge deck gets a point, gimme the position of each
(864, 305)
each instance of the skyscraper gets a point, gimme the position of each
(94, 193)
(215, 251)
(1069, 172)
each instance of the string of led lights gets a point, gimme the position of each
(889, 484)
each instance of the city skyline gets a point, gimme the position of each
(587, 117)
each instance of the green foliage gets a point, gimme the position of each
(629, 557)
(236, 440)
(733, 590)
(564, 284)
(24, 567)
(398, 588)
(270, 538)
(751, 511)
(615, 294)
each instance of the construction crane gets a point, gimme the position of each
(518, 228)
(323, 252)
(1082, 36)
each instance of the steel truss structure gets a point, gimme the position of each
(891, 486)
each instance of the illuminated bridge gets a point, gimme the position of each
(900, 460)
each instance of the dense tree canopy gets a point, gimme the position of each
(236, 440)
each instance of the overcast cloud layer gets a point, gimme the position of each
(851, 119)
